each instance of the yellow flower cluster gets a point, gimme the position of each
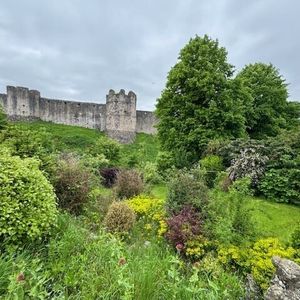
(196, 248)
(229, 255)
(148, 226)
(162, 228)
(152, 210)
(257, 259)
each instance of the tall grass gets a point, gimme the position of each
(79, 264)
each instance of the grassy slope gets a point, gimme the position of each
(275, 219)
(75, 138)
(70, 138)
(145, 146)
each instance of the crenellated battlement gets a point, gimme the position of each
(121, 115)
(118, 117)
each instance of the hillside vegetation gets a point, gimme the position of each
(79, 260)
(191, 213)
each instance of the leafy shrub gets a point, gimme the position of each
(108, 147)
(296, 237)
(165, 163)
(256, 259)
(151, 211)
(183, 227)
(27, 143)
(249, 163)
(97, 207)
(186, 189)
(31, 143)
(282, 184)
(242, 186)
(232, 150)
(119, 218)
(211, 165)
(28, 207)
(132, 160)
(72, 185)
(281, 181)
(214, 146)
(229, 218)
(109, 176)
(150, 173)
(274, 168)
(94, 162)
(129, 184)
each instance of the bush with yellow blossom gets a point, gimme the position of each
(257, 259)
(151, 211)
(197, 247)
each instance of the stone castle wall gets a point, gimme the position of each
(145, 121)
(118, 117)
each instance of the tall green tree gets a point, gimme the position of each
(200, 102)
(269, 110)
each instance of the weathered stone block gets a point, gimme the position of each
(286, 282)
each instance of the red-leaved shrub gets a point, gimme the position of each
(183, 226)
(109, 176)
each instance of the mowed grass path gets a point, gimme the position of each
(272, 219)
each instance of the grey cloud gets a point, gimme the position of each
(80, 49)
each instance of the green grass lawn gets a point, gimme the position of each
(275, 219)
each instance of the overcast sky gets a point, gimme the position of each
(74, 49)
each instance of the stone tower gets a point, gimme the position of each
(121, 116)
(22, 103)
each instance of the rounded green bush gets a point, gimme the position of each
(129, 183)
(185, 189)
(28, 206)
(119, 218)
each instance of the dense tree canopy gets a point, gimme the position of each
(200, 102)
(269, 110)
